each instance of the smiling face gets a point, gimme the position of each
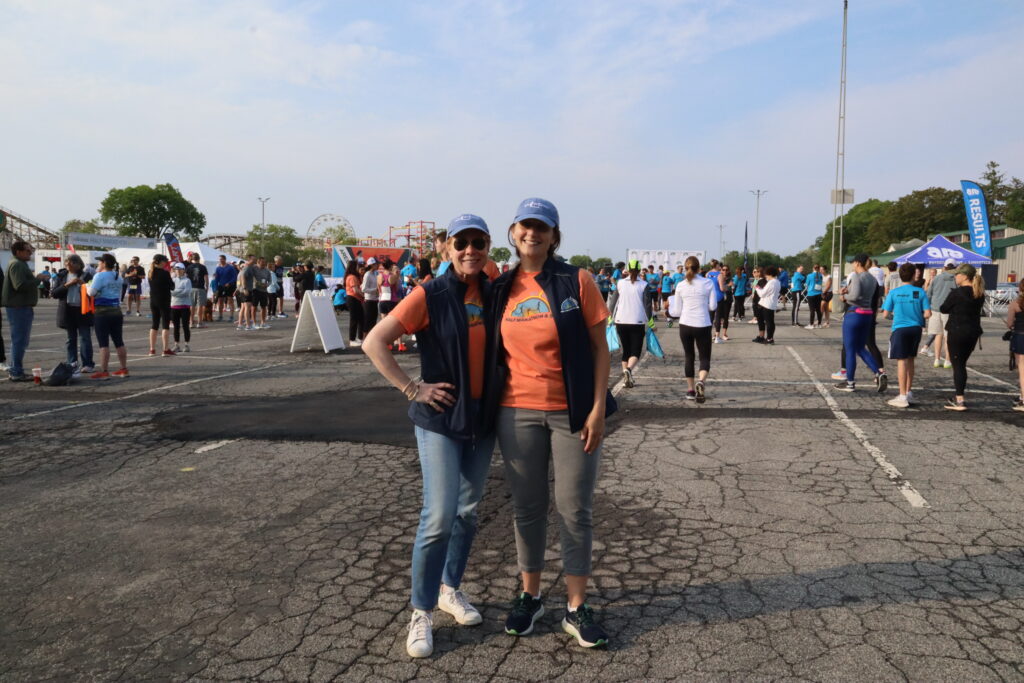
(471, 259)
(534, 239)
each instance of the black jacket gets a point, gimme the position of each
(561, 284)
(69, 316)
(964, 312)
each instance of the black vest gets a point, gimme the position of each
(444, 357)
(561, 285)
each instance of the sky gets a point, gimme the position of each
(646, 122)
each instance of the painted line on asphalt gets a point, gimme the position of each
(909, 492)
(149, 391)
(215, 445)
(621, 384)
(994, 379)
(808, 383)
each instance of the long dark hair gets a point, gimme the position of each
(111, 263)
(352, 268)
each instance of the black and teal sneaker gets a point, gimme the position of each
(525, 612)
(581, 625)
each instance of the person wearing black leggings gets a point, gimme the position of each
(630, 319)
(697, 299)
(724, 306)
(963, 306)
(768, 301)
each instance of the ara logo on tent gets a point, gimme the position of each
(945, 252)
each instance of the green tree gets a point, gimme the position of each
(501, 254)
(855, 231)
(1015, 204)
(340, 234)
(318, 256)
(920, 214)
(992, 181)
(151, 211)
(602, 262)
(581, 261)
(78, 225)
(274, 240)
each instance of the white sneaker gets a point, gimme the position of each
(839, 374)
(937, 363)
(910, 396)
(456, 604)
(355, 343)
(899, 402)
(4, 367)
(176, 349)
(420, 642)
(811, 327)
(188, 349)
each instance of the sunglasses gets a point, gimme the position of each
(460, 243)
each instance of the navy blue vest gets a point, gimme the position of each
(561, 285)
(444, 357)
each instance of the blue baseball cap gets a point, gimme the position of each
(541, 209)
(467, 221)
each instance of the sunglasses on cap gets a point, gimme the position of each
(460, 243)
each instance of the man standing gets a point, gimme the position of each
(246, 289)
(261, 293)
(199, 276)
(224, 277)
(942, 285)
(134, 276)
(278, 306)
(20, 296)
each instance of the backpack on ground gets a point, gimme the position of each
(60, 376)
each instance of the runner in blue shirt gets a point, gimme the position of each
(797, 290)
(812, 286)
(909, 307)
(741, 288)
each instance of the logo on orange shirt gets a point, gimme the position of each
(531, 308)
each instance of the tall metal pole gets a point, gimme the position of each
(263, 220)
(840, 188)
(721, 242)
(757, 223)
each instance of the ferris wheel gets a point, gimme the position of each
(328, 223)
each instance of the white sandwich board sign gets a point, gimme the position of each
(317, 325)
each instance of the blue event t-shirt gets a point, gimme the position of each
(813, 283)
(652, 281)
(106, 288)
(666, 284)
(409, 270)
(798, 282)
(739, 284)
(676, 279)
(907, 304)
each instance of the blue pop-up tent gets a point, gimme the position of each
(938, 250)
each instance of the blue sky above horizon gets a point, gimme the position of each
(647, 122)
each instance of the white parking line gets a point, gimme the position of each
(149, 391)
(994, 379)
(215, 445)
(909, 492)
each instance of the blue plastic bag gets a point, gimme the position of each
(612, 335)
(653, 345)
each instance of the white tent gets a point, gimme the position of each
(209, 256)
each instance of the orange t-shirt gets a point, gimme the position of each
(491, 270)
(353, 287)
(411, 312)
(528, 331)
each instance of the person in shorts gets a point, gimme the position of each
(199, 277)
(909, 307)
(261, 294)
(224, 277)
(134, 275)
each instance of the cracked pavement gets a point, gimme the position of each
(750, 538)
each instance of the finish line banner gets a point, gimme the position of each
(669, 258)
(977, 218)
(95, 241)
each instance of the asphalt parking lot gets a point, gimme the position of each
(241, 512)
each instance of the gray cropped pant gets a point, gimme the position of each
(529, 440)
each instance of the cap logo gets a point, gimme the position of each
(569, 304)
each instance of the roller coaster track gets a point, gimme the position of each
(14, 226)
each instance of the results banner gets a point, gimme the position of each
(977, 217)
(669, 258)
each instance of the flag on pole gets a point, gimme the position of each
(745, 226)
(977, 217)
(173, 248)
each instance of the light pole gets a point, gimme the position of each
(263, 220)
(721, 242)
(757, 223)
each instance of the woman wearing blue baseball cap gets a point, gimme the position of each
(447, 316)
(547, 394)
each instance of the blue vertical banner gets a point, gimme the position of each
(173, 247)
(977, 217)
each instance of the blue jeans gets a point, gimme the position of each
(79, 340)
(20, 320)
(454, 474)
(856, 328)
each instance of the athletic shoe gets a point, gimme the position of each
(525, 612)
(769, 342)
(19, 378)
(845, 386)
(716, 340)
(239, 328)
(420, 641)
(827, 325)
(811, 327)
(628, 376)
(725, 338)
(138, 314)
(882, 382)
(152, 352)
(100, 375)
(4, 367)
(87, 369)
(581, 625)
(925, 351)
(700, 392)
(1018, 405)
(168, 352)
(899, 402)
(839, 374)
(947, 365)
(123, 372)
(910, 396)
(282, 315)
(355, 343)
(456, 604)
(670, 323)
(250, 328)
(188, 349)
(402, 347)
(937, 363)
(176, 349)
(691, 395)
(953, 404)
(758, 340)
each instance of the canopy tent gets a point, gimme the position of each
(208, 256)
(938, 250)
